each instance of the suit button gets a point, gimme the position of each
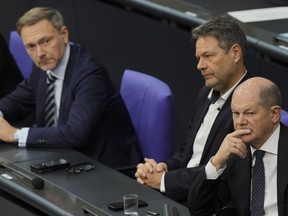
(42, 141)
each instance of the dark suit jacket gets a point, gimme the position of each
(208, 196)
(92, 116)
(9, 72)
(179, 178)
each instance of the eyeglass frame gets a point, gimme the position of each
(78, 168)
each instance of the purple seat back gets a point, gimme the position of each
(151, 107)
(284, 117)
(20, 54)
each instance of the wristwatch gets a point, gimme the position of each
(16, 136)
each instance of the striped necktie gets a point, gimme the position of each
(50, 101)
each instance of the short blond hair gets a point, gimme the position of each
(37, 14)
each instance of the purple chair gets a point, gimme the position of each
(284, 117)
(151, 107)
(20, 54)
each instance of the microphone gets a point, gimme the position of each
(37, 183)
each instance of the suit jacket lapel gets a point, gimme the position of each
(240, 183)
(226, 110)
(66, 89)
(244, 191)
(41, 97)
(200, 112)
(282, 168)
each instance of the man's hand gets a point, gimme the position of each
(150, 173)
(6, 131)
(232, 144)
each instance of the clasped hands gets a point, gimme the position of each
(150, 173)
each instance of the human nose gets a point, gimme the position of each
(40, 51)
(201, 64)
(241, 120)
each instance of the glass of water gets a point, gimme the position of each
(130, 202)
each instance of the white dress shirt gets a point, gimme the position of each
(204, 130)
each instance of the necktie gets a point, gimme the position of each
(50, 101)
(258, 185)
(214, 97)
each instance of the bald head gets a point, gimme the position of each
(256, 106)
(261, 90)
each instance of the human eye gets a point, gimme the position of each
(30, 47)
(46, 41)
(209, 56)
(235, 114)
(250, 114)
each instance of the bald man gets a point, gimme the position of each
(228, 176)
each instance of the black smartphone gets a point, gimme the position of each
(50, 165)
(117, 206)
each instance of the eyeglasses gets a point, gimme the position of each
(77, 168)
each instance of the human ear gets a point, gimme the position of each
(276, 113)
(64, 33)
(236, 52)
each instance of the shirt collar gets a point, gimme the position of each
(226, 95)
(271, 145)
(59, 71)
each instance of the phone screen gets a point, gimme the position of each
(50, 165)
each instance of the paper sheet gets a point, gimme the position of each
(263, 14)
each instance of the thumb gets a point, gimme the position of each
(161, 167)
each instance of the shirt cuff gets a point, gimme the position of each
(211, 172)
(23, 134)
(162, 184)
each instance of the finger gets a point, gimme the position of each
(239, 148)
(141, 170)
(141, 166)
(150, 161)
(138, 174)
(238, 133)
(161, 167)
(150, 164)
(141, 174)
(237, 142)
(149, 167)
(240, 152)
(140, 181)
(226, 150)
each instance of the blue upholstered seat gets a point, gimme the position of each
(284, 117)
(20, 54)
(151, 106)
